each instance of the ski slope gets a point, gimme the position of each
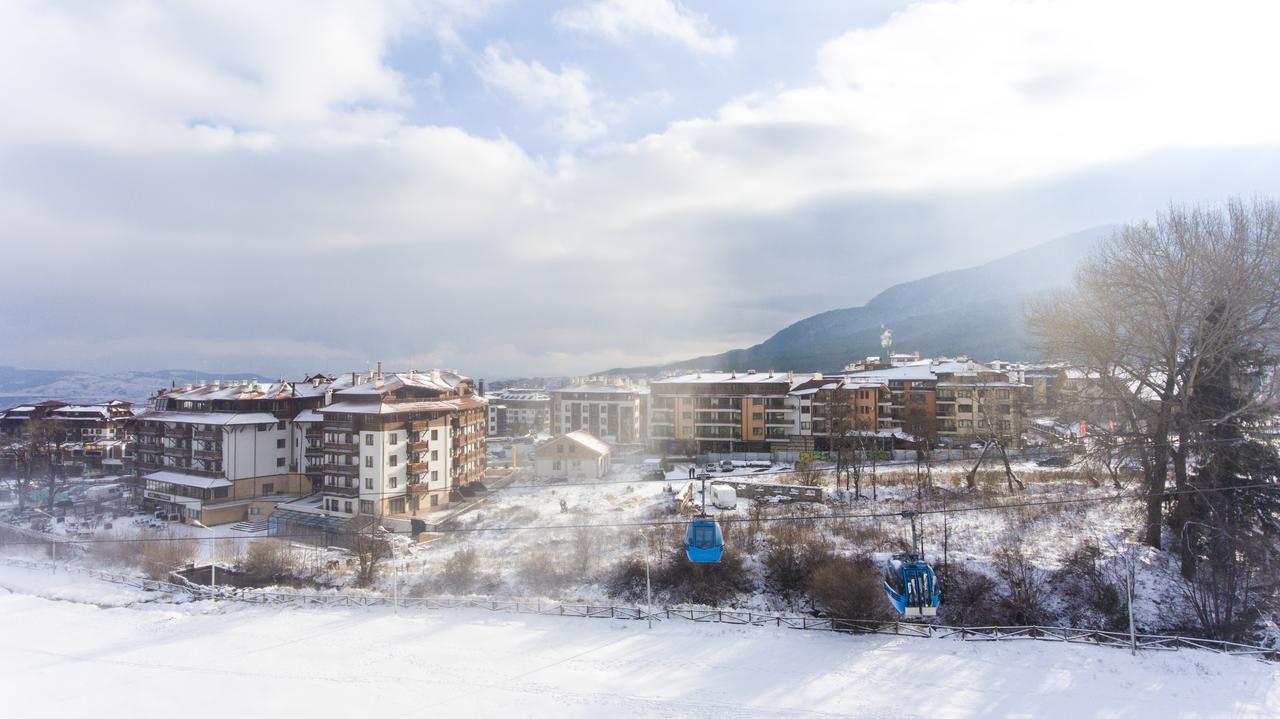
(61, 657)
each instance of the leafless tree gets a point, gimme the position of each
(1157, 310)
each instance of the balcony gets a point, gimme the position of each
(341, 491)
(208, 434)
(420, 446)
(208, 454)
(344, 469)
(177, 451)
(418, 488)
(343, 447)
(340, 425)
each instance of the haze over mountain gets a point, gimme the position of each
(975, 311)
(18, 386)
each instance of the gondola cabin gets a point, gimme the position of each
(911, 586)
(703, 541)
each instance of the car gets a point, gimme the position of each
(726, 465)
(1057, 461)
(655, 474)
(711, 467)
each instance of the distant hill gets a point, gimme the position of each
(975, 311)
(29, 385)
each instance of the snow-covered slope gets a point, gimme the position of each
(60, 659)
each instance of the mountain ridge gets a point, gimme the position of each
(974, 311)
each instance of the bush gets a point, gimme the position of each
(540, 571)
(159, 557)
(268, 561)
(694, 583)
(1090, 598)
(969, 598)
(626, 580)
(1024, 586)
(849, 588)
(793, 552)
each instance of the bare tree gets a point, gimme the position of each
(1153, 313)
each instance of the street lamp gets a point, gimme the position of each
(213, 563)
(648, 588)
(53, 544)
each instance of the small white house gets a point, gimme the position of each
(577, 455)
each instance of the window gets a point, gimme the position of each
(263, 427)
(368, 440)
(279, 461)
(435, 434)
(555, 464)
(435, 476)
(220, 492)
(804, 426)
(366, 506)
(368, 482)
(346, 506)
(279, 444)
(394, 482)
(435, 455)
(757, 416)
(435, 500)
(395, 438)
(280, 425)
(757, 431)
(269, 488)
(394, 460)
(368, 461)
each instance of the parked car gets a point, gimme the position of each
(1057, 461)
(726, 465)
(711, 467)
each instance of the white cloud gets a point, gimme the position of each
(566, 93)
(622, 19)
(251, 175)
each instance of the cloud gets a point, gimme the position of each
(619, 20)
(566, 93)
(182, 186)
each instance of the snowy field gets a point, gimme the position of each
(63, 657)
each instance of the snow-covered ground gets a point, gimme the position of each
(64, 658)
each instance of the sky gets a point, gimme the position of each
(555, 188)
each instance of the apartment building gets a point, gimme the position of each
(826, 406)
(705, 412)
(517, 412)
(954, 401)
(13, 421)
(615, 413)
(397, 444)
(221, 453)
(94, 422)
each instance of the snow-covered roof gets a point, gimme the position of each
(218, 418)
(601, 388)
(519, 395)
(728, 377)
(433, 405)
(582, 438)
(188, 480)
(309, 415)
(443, 381)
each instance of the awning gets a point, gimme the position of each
(188, 480)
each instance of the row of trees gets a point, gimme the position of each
(1177, 323)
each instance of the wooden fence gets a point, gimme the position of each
(1092, 637)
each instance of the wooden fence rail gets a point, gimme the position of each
(1071, 635)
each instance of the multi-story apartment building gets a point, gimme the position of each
(13, 421)
(955, 401)
(614, 413)
(94, 422)
(721, 412)
(221, 453)
(826, 406)
(518, 412)
(398, 444)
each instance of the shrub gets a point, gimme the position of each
(694, 583)
(1024, 586)
(969, 598)
(849, 588)
(793, 553)
(268, 561)
(162, 556)
(1091, 599)
(626, 580)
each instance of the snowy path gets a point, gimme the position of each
(60, 658)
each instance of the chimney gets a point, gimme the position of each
(379, 369)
